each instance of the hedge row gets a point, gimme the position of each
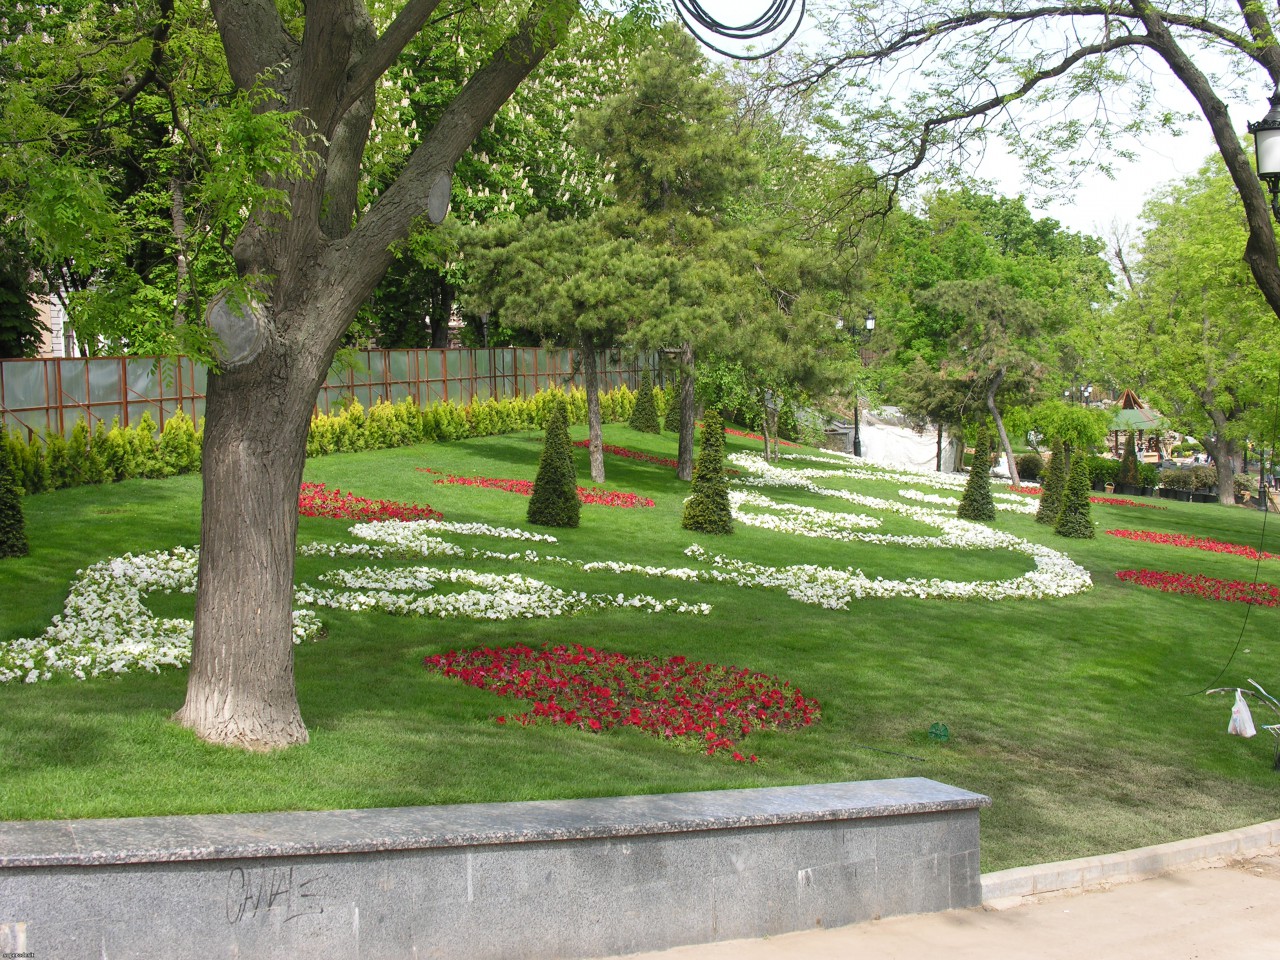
(110, 453)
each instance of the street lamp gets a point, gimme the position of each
(1266, 148)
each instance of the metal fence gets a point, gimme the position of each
(50, 395)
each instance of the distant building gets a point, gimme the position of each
(59, 338)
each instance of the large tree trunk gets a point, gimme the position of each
(938, 455)
(591, 373)
(688, 403)
(240, 689)
(1004, 437)
(312, 269)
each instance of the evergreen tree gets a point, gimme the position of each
(555, 502)
(1074, 520)
(644, 417)
(671, 422)
(708, 510)
(13, 535)
(976, 504)
(1128, 473)
(1054, 482)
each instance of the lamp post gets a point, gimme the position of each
(1266, 150)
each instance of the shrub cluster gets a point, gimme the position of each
(1055, 483)
(670, 398)
(110, 453)
(107, 454)
(1030, 465)
(1074, 520)
(976, 502)
(1127, 472)
(554, 501)
(708, 509)
(644, 416)
(13, 533)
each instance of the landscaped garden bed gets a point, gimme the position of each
(1062, 686)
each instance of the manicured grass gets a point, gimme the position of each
(1078, 716)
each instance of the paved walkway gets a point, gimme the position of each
(1205, 911)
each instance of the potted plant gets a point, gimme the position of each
(1148, 478)
(1175, 484)
(1204, 483)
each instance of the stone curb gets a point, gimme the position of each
(1088, 873)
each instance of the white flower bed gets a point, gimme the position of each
(106, 628)
(501, 597)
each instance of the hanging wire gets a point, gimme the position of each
(1262, 540)
(771, 21)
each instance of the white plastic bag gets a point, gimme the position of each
(1241, 724)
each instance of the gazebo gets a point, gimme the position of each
(1134, 416)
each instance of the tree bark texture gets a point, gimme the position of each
(310, 270)
(688, 414)
(240, 689)
(595, 437)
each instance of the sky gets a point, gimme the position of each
(1100, 204)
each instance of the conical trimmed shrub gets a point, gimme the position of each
(1055, 482)
(1128, 472)
(671, 422)
(554, 502)
(13, 533)
(976, 503)
(708, 510)
(644, 416)
(1074, 520)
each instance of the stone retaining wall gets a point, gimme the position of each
(547, 879)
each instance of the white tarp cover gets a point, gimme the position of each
(888, 442)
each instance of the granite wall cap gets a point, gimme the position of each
(49, 843)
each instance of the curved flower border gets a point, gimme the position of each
(1194, 543)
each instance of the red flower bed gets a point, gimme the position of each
(1234, 591)
(1194, 543)
(756, 436)
(631, 454)
(1122, 502)
(1110, 501)
(315, 500)
(594, 495)
(707, 704)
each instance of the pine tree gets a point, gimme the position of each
(708, 510)
(976, 504)
(13, 534)
(644, 417)
(1054, 482)
(1074, 520)
(555, 502)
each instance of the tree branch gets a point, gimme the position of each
(405, 200)
(366, 71)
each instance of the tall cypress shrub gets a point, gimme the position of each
(1074, 520)
(976, 503)
(671, 422)
(644, 416)
(1055, 482)
(708, 510)
(554, 502)
(1128, 472)
(13, 533)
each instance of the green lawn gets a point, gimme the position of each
(1078, 716)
